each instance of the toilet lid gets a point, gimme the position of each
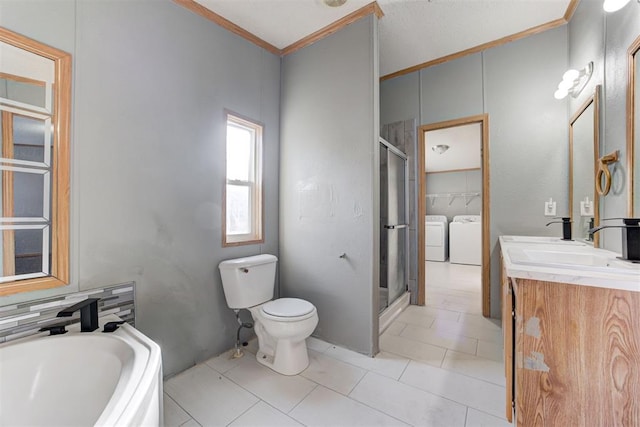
(288, 307)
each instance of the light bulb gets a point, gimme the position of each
(614, 5)
(571, 75)
(565, 85)
(560, 94)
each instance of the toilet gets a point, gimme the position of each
(282, 325)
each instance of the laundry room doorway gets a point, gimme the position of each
(453, 207)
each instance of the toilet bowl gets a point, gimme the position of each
(281, 325)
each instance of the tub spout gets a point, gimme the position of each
(88, 314)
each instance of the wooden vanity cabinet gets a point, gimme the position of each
(572, 354)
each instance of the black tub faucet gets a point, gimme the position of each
(88, 314)
(630, 237)
(566, 227)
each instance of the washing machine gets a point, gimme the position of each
(436, 237)
(465, 240)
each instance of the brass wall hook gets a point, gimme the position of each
(603, 169)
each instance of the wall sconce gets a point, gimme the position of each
(338, 3)
(440, 148)
(573, 81)
(614, 5)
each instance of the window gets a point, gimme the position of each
(243, 187)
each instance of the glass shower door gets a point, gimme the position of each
(394, 228)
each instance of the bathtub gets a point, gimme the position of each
(81, 379)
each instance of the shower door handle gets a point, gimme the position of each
(393, 227)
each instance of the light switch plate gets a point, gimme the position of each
(586, 208)
(549, 208)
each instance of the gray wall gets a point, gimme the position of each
(454, 182)
(329, 181)
(528, 148)
(151, 80)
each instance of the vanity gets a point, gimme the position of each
(571, 324)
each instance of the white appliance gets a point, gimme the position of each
(465, 240)
(282, 325)
(436, 237)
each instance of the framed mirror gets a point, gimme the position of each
(633, 130)
(584, 140)
(35, 93)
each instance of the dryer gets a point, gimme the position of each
(465, 232)
(436, 237)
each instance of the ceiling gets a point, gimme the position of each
(411, 32)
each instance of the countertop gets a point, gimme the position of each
(614, 273)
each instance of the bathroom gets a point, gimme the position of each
(148, 97)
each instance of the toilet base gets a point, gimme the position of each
(291, 358)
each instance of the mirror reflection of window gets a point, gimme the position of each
(27, 127)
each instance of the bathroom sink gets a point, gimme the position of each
(541, 239)
(586, 258)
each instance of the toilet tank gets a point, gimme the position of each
(248, 281)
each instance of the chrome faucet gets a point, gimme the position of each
(566, 227)
(630, 237)
(88, 314)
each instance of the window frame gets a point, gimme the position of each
(255, 183)
(60, 188)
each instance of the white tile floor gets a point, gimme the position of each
(439, 365)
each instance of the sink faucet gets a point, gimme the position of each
(88, 314)
(566, 227)
(630, 237)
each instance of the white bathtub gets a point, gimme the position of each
(81, 379)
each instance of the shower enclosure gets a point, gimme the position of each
(393, 224)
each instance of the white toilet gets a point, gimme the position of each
(282, 325)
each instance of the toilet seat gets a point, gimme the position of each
(288, 309)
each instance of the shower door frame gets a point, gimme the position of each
(403, 156)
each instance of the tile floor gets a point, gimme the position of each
(439, 365)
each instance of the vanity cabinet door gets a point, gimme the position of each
(577, 355)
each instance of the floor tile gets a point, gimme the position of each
(474, 366)
(191, 423)
(490, 350)
(332, 373)
(283, 392)
(441, 339)
(384, 363)
(413, 406)
(265, 416)
(225, 361)
(317, 344)
(478, 394)
(480, 419)
(468, 330)
(481, 321)
(395, 328)
(174, 415)
(411, 349)
(415, 316)
(208, 397)
(324, 407)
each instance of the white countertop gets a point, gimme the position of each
(543, 258)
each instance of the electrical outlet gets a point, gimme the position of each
(550, 208)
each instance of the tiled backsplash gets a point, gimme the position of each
(19, 320)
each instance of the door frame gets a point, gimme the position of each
(483, 119)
